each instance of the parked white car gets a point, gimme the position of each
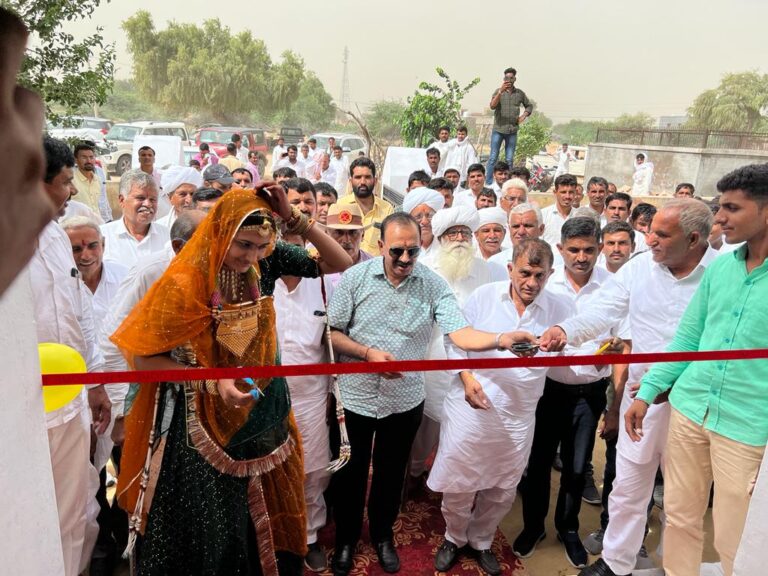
(121, 136)
(351, 144)
(84, 128)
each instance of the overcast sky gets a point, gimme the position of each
(590, 59)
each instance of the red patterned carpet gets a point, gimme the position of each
(418, 533)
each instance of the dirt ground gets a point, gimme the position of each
(549, 558)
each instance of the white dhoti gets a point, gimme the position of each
(480, 459)
(309, 396)
(636, 466)
(300, 330)
(73, 477)
(315, 484)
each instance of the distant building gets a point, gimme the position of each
(672, 121)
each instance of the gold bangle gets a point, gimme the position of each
(295, 217)
(299, 227)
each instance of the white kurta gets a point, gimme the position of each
(653, 300)
(587, 297)
(132, 289)
(111, 276)
(553, 221)
(642, 179)
(341, 167)
(120, 246)
(461, 157)
(64, 314)
(445, 151)
(300, 336)
(563, 162)
(438, 383)
(298, 166)
(484, 449)
(464, 198)
(277, 155)
(63, 308)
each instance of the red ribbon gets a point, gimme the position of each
(399, 366)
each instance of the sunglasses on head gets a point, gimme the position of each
(396, 253)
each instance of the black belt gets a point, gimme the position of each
(577, 390)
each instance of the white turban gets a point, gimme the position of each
(175, 176)
(455, 216)
(419, 196)
(491, 215)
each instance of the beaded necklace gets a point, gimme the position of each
(232, 282)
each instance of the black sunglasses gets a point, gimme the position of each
(396, 253)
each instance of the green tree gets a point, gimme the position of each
(125, 104)
(432, 106)
(576, 132)
(383, 120)
(638, 121)
(187, 68)
(582, 132)
(313, 110)
(68, 74)
(532, 136)
(736, 105)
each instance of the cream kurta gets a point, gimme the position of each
(483, 449)
(300, 336)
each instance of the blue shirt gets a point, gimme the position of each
(396, 319)
(727, 312)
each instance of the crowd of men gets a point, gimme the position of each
(454, 273)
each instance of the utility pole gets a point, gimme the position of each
(344, 100)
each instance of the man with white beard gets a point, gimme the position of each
(456, 262)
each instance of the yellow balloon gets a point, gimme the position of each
(60, 359)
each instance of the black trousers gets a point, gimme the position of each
(609, 475)
(568, 415)
(386, 443)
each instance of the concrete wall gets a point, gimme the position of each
(702, 167)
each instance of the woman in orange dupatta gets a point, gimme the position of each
(229, 494)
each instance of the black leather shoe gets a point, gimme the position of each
(388, 557)
(599, 568)
(574, 549)
(525, 544)
(342, 560)
(446, 556)
(488, 562)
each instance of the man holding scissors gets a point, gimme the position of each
(653, 290)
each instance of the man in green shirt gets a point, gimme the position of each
(505, 103)
(719, 424)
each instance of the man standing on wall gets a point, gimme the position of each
(505, 103)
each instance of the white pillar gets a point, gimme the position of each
(31, 544)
